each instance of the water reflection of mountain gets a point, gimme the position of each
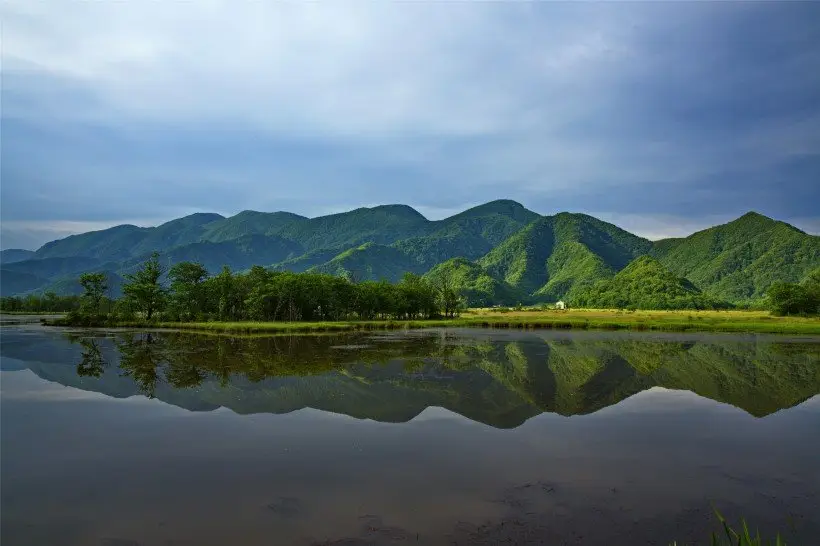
(500, 380)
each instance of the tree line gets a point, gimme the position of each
(48, 302)
(182, 360)
(186, 292)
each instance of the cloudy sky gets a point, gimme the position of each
(661, 117)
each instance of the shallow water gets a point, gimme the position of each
(425, 437)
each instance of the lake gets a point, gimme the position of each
(423, 437)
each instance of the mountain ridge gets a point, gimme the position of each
(513, 250)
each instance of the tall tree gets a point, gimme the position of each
(447, 293)
(187, 288)
(94, 286)
(143, 289)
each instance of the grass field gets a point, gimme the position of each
(672, 321)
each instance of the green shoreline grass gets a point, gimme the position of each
(669, 321)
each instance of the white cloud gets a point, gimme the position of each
(344, 69)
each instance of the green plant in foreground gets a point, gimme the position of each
(742, 537)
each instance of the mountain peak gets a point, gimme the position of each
(752, 215)
(399, 210)
(197, 218)
(754, 221)
(500, 206)
(503, 207)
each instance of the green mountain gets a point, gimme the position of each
(556, 255)
(738, 261)
(238, 254)
(182, 231)
(114, 243)
(469, 234)
(518, 254)
(644, 284)
(570, 268)
(521, 260)
(19, 282)
(69, 285)
(370, 262)
(381, 225)
(49, 268)
(250, 222)
(476, 285)
(307, 260)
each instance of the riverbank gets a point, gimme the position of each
(669, 321)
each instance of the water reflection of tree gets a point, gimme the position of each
(93, 364)
(185, 360)
(567, 376)
(141, 357)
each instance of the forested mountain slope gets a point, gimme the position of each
(644, 284)
(557, 255)
(738, 261)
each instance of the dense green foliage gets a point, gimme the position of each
(796, 299)
(476, 286)
(143, 291)
(95, 286)
(571, 268)
(541, 258)
(645, 284)
(188, 293)
(521, 259)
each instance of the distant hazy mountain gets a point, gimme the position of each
(18, 282)
(505, 252)
(11, 255)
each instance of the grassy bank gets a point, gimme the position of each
(671, 321)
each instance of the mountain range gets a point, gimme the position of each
(500, 252)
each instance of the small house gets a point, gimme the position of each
(560, 305)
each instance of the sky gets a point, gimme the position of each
(661, 117)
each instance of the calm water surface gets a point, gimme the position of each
(428, 437)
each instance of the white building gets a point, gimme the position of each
(560, 305)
